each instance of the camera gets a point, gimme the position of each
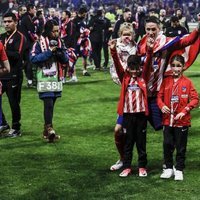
(59, 55)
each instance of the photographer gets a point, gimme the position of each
(49, 55)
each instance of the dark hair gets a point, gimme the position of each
(20, 7)
(134, 62)
(99, 12)
(153, 19)
(38, 13)
(67, 12)
(30, 6)
(10, 14)
(82, 10)
(174, 19)
(126, 10)
(48, 27)
(178, 58)
(179, 9)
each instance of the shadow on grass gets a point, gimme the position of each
(86, 82)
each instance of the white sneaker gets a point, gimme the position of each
(167, 173)
(73, 79)
(116, 166)
(142, 172)
(125, 172)
(178, 175)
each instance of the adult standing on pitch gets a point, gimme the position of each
(14, 43)
(163, 48)
(125, 18)
(27, 27)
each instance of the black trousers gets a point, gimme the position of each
(12, 88)
(48, 109)
(106, 54)
(134, 125)
(175, 138)
(28, 66)
(96, 53)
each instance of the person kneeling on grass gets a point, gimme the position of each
(132, 110)
(177, 96)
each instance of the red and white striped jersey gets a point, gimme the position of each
(163, 49)
(134, 98)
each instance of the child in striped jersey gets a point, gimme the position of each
(125, 46)
(132, 110)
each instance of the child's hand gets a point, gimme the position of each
(118, 127)
(179, 116)
(165, 110)
(112, 43)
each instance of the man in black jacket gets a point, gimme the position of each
(79, 24)
(99, 27)
(175, 29)
(127, 17)
(15, 44)
(27, 28)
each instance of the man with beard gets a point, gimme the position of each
(125, 18)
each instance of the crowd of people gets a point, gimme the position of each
(149, 49)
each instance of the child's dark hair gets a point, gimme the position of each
(134, 62)
(179, 58)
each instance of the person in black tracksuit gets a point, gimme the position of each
(99, 27)
(27, 28)
(106, 36)
(79, 24)
(127, 17)
(175, 29)
(15, 44)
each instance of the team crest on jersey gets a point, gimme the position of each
(184, 89)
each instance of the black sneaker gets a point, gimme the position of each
(13, 133)
(31, 85)
(4, 128)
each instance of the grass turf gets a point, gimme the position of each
(77, 167)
